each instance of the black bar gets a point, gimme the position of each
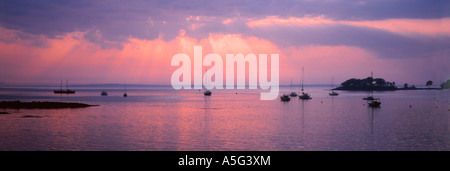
(223, 160)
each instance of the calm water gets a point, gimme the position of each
(160, 118)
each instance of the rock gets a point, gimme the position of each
(41, 105)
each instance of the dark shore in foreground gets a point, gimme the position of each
(382, 89)
(41, 105)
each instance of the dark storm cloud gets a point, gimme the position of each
(383, 43)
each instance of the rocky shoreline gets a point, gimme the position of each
(41, 105)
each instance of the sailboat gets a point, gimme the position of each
(293, 94)
(332, 91)
(125, 89)
(104, 93)
(374, 103)
(304, 96)
(285, 98)
(371, 88)
(207, 92)
(371, 101)
(67, 91)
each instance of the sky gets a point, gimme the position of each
(95, 42)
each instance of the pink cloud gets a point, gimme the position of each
(72, 57)
(275, 20)
(398, 26)
(408, 26)
(229, 20)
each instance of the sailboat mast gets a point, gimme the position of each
(302, 77)
(206, 80)
(371, 83)
(291, 84)
(332, 82)
(67, 84)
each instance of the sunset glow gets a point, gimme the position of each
(138, 49)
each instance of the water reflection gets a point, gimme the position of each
(206, 122)
(371, 113)
(188, 120)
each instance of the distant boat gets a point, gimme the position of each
(371, 89)
(125, 91)
(333, 93)
(371, 101)
(369, 98)
(374, 103)
(104, 93)
(304, 96)
(207, 93)
(67, 91)
(285, 98)
(293, 94)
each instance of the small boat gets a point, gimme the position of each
(304, 96)
(64, 91)
(333, 93)
(285, 98)
(207, 93)
(293, 94)
(371, 101)
(125, 91)
(67, 91)
(369, 98)
(371, 90)
(104, 93)
(374, 103)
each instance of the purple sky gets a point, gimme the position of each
(375, 26)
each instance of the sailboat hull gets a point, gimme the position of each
(374, 104)
(207, 93)
(64, 91)
(67, 91)
(333, 94)
(304, 97)
(285, 98)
